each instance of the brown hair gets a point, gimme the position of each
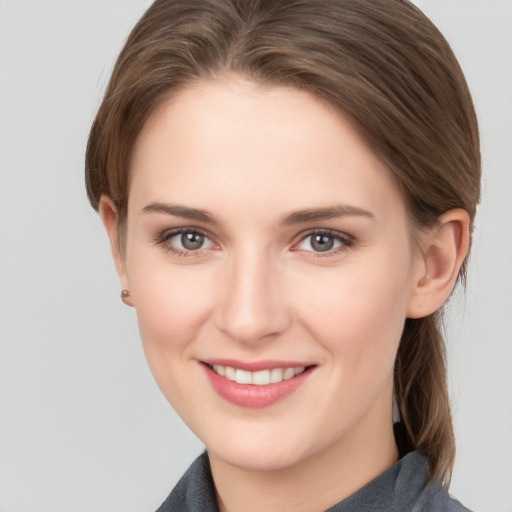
(383, 64)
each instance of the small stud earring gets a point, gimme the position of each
(125, 294)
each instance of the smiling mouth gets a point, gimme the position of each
(256, 385)
(259, 378)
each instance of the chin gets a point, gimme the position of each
(257, 449)
(257, 458)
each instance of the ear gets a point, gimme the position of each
(110, 219)
(443, 249)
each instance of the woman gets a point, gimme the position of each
(289, 189)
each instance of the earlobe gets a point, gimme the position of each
(444, 248)
(109, 217)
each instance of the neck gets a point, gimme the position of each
(329, 476)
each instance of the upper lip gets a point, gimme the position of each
(255, 366)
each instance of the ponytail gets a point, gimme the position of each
(421, 394)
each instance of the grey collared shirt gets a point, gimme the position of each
(404, 487)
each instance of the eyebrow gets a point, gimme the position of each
(297, 217)
(333, 212)
(181, 211)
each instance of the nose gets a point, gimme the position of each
(253, 305)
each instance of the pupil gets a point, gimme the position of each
(192, 241)
(322, 243)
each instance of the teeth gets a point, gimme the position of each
(230, 373)
(221, 370)
(288, 373)
(243, 377)
(260, 378)
(276, 375)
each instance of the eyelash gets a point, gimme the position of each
(344, 240)
(165, 237)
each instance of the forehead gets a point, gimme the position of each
(228, 143)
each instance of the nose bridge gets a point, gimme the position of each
(253, 305)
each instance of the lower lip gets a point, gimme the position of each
(250, 395)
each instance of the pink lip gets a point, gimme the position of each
(248, 395)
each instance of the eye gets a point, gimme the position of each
(324, 242)
(189, 241)
(185, 241)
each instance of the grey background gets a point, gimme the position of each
(83, 427)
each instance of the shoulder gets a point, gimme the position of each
(194, 492)
(423, 495)
(436, 499)
(404, 487)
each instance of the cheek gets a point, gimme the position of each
(171, 306)
(171, 302)
(357, 312)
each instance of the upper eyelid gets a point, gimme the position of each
(346, 241)
(323, 231)
(162, 239)
(169, 233)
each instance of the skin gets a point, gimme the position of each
(258, 290)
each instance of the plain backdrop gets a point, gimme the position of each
(83, 427)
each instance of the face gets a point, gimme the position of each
(269, 262)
